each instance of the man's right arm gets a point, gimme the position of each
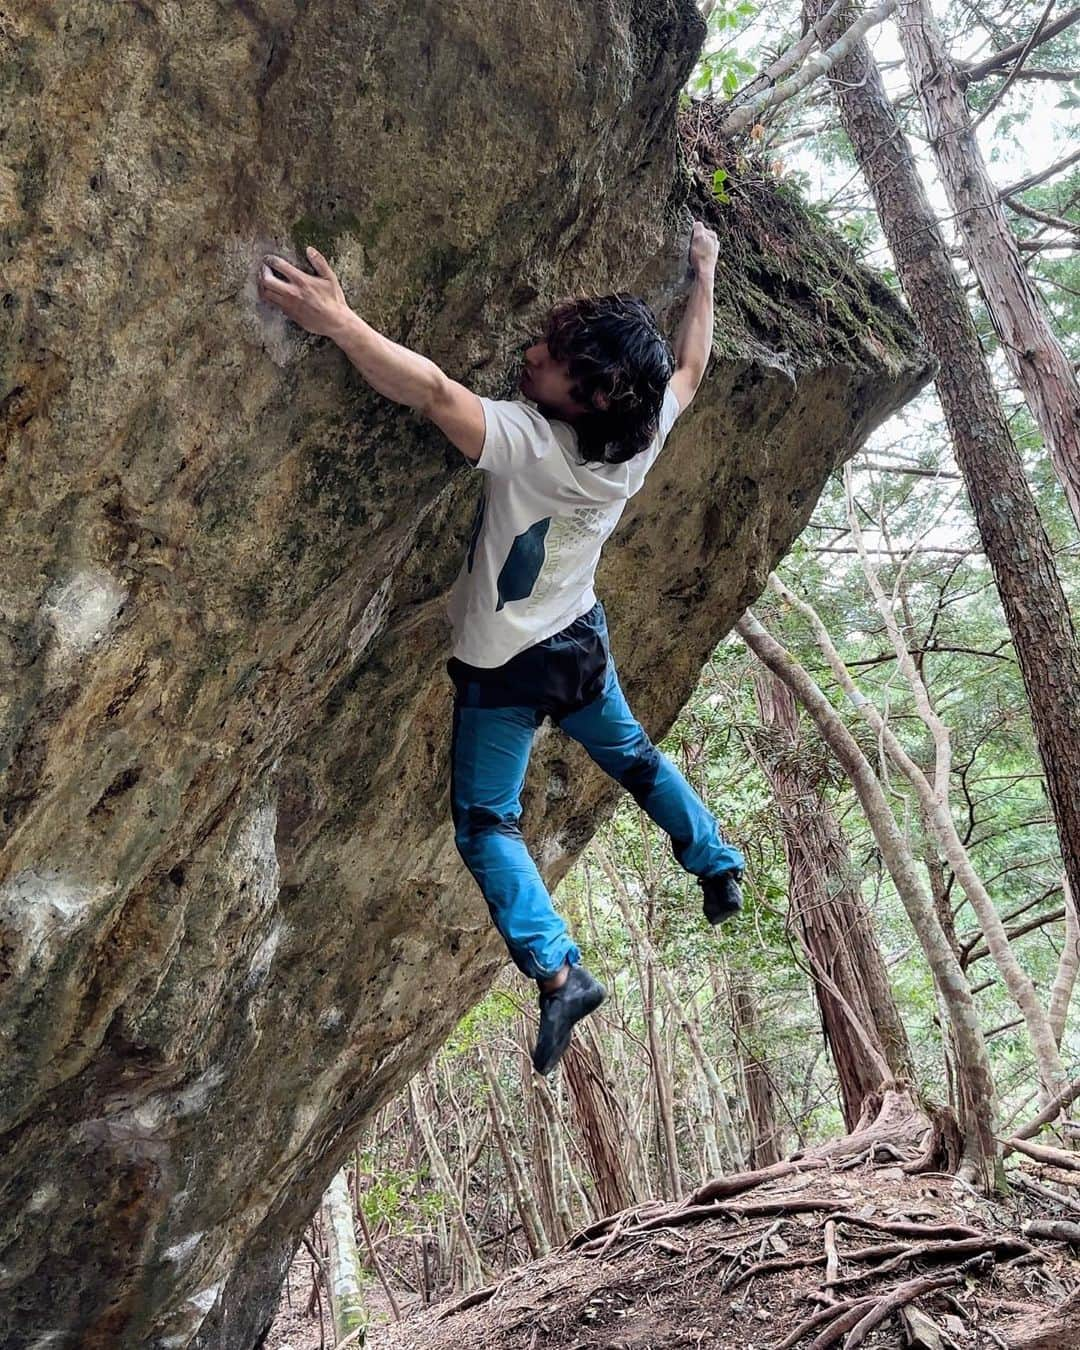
(407, 377)
(693, 343)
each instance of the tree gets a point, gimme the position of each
(862, 1026)
(1015, 307)
(1008, 519)
(343, 1267)
(977, 1104)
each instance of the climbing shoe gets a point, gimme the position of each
(722, 896)
(559, 1011)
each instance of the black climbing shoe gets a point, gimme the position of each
(723, 897)
(559, 1010)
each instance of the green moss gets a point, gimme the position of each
(441, 263)
(32, 173)
(323, 234)
(787, 280)
(333, 486)
(376, 220)
(252, 597)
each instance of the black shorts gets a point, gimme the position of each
(556, 677)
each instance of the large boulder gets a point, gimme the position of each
(232, 919)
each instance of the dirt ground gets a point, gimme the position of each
(746, 1272)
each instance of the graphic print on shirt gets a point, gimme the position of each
(586, 526)
(478, 522)
(523, 564)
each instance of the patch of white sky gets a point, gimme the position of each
(1047, 135)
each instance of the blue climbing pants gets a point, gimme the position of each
(570, 678)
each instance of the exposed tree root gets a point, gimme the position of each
(824, 1316)
(720, 1187)
(690, 1274)
(1057, 1330)
(1055, 1157)
(885, 1307)
(1057, 1230)
(902, 1228)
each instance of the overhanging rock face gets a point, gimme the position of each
(232, 920)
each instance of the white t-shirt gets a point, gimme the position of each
(538, 532)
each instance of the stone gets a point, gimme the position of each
(232, 919)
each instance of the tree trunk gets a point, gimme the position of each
(602, 1123)
(343, 1268)
(470, 1256)
(981, 1154)
(565, 1177)
(936, 810)
(862, 1025)
(1013, 302)
(513, 1160)
(1008, 520)
(665, 1088)
(760, 1097)
(1068, 964)
(721, 1113)
(554, 1207)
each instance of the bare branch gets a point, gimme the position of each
(1048, 73)
(906, 469)
(970, 74)
(1028, 47)
(1033, 179)
(817, 65)
(793, 57)
(1062, 1101)
(1019, 931)
(1056, 222)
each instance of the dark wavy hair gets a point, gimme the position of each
(614, 349)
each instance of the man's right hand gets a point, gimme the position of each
(316, 303)
(704, 248)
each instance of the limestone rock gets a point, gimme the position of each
(232, 920)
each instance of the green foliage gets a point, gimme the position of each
(385, 1196)
(482, 1023)
(721, 68)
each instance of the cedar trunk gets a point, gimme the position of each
(981, 1153)
(603, 1125)
(1013, 302)
(862, 1025)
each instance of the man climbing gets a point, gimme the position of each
(603, 389)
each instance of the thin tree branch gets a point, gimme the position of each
(1064, 1099)
(817, 65)
(793, 57)
(1033, 179)
(1028, 47)
(1057, 222)
(970, 74)
(1013, 933)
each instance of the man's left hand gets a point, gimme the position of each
(316, 303)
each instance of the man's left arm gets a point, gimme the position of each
(317, 303)
(693, 343)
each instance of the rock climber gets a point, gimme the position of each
(601, 390)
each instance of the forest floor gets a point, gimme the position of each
(810, 1258)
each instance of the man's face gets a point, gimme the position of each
(547, 383)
